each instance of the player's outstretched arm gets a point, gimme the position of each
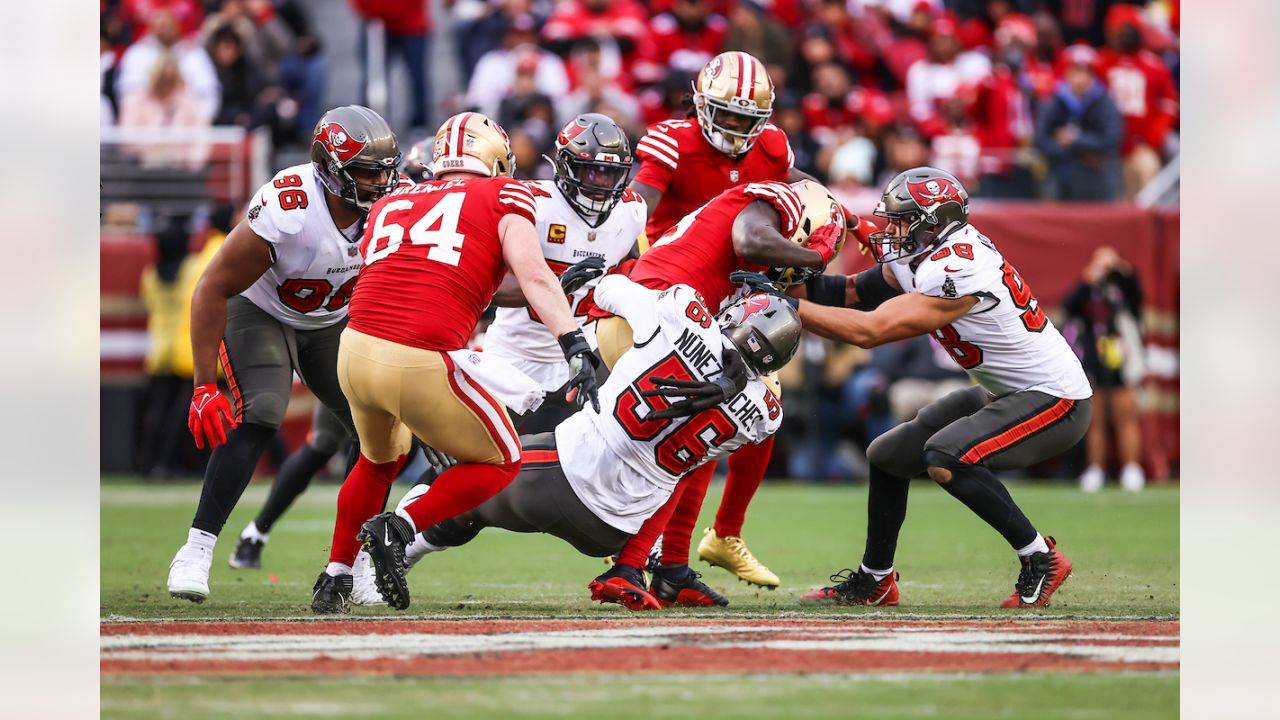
(902, 317)
(757, 239)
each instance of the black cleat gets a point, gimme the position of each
(248, 554)
(331, 594)
(855, 587)
(624, 585)
(384, 537)
(683, 587)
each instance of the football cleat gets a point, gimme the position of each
(1041, 576)
(331, 594)
(189, 573)
(248, 554)
(731, 553)
(624, 585)
(651, 563)
(364, 583)
(683, 587)
(384, 537)
(857, 588)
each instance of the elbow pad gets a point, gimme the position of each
(827, 289)
(873, 289)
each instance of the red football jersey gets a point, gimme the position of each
(1143, 89)
(698, 252)
(432, 260)
(689, 171)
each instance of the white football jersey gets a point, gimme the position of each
(516, 334)
(624, 466)
(1005, 341)
(313, 262)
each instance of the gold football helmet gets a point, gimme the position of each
(820, 208)
(733, 97)
(472, 143)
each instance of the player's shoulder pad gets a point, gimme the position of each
(515, 195)
(964, 264)
(662, 142)
(279, 207)
(774, 141)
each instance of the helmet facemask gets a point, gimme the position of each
(362, 190)
(745, 119)
(593, 187)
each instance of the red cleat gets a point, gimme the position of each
(624, 585)
(857, 588)
(1042, 574)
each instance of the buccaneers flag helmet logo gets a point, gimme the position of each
(934, 191)
(338, 142)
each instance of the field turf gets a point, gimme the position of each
(1125, 550)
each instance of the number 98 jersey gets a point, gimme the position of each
(624, 465)
(313, 263)
(1005, 342)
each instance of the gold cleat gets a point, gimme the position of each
(731, 553)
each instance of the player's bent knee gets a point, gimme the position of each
(325, 442)
(266, 409)
(888, 453)
(452, 533)
(940, 464)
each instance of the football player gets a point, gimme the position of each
(433, 256)
(273, 301)
(585, 212)
(595, 479)
(757, 226)
(727, 140)
(939, 275)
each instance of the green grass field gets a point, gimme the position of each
(1124, 547)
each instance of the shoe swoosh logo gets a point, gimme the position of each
(386, 536)
(1035, 595)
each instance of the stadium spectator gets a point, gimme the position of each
(479, 26)
(618, 27)
(1103, 327)
(1003, 112)
(955, 144)
(1080, 131)
(753, 31)
(1143, 89)
(858, 42)
(304, 69)
(407, 28)
(596, 90)
(790, 118)
(166, 102)
(240, 79)
(686, 38)
(495, 75)
(670, 99)
(945, 74)
(163, 40)
(264, 38)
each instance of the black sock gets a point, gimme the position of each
(227, 475)
(886, 509)
(294, 477)
(983, 493)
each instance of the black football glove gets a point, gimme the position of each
(700, 395)
(759, 282)
(438, 460)
(581, 273)
(583, 364)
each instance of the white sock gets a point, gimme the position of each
(1037, 545)
(420, 547)
(252, 532)
(337, 569)
(877, 574)
(201, 538)
(407, 519)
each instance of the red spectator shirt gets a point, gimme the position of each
(624, 20)
(681, 163)
(698, 252)
(1142, 87)
(671, 47)
(401, 17)
(432, 260)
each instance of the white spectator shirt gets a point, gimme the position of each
(516, 335)
(313, 262)
(928, 82)
(194, 65)
(495, 75)
(1005, 342)
(624, 466)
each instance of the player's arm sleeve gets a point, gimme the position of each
(659, 154)
(514, 197)
(632, 302)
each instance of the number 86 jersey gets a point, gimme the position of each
(1005, 341)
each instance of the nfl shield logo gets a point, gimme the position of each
(352, 251)
(591, 236)
(733, 176)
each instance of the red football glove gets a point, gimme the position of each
(860, 229)
(827, 240)
(209, 410)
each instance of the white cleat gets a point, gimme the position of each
(414, 493)
(189, 573)
(364, 589)
(1092, 480)
(1132, 478)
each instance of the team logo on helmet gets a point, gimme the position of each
(338, 142)
(713, 67)
(754, 304)
(934, 192)
(570, 131)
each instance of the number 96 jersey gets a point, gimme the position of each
(1005, 341)
(517, 334)
(623, 464)
(313, 263)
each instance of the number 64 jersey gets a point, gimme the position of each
(313, 263)
(624, 465)
(1005, 342)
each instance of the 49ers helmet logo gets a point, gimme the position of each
(338, 142)
(713, 67)
(934, 191)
